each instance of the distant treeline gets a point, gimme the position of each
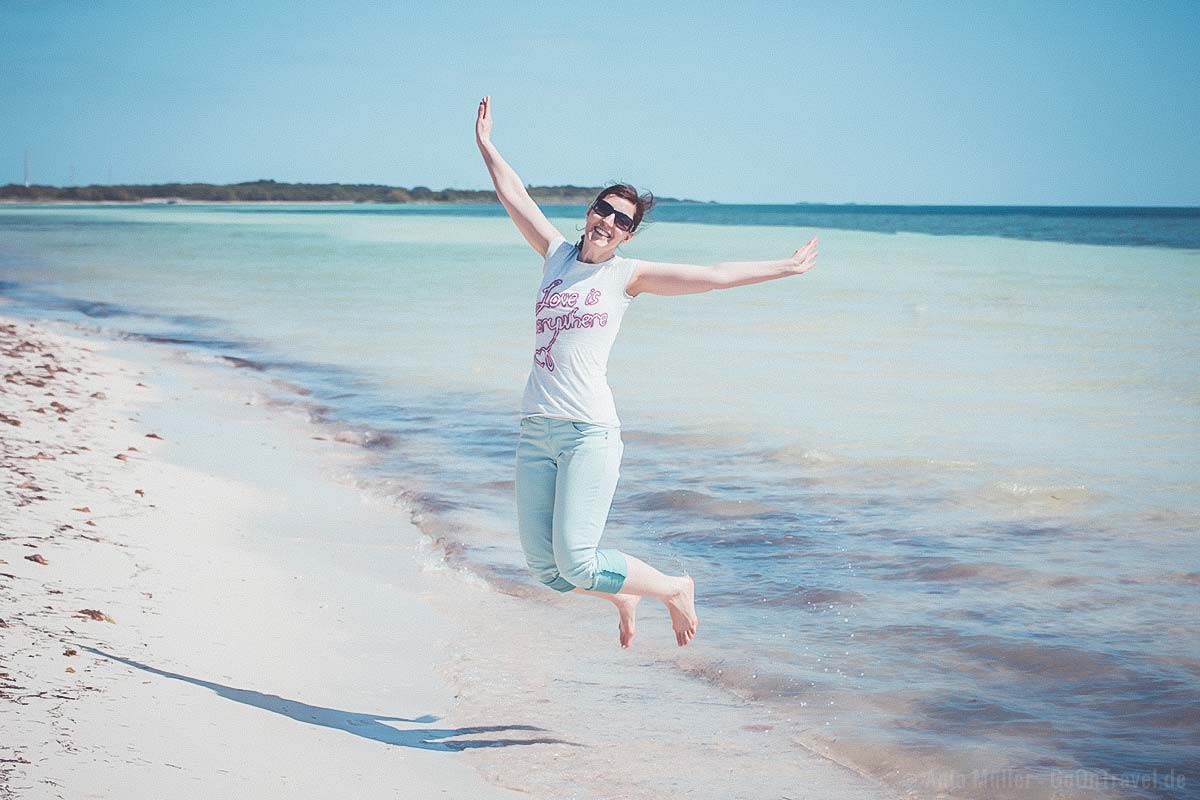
(264, 190)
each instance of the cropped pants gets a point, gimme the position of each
(566, 475)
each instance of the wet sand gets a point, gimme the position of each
(184, 611)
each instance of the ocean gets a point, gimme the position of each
(939, 495)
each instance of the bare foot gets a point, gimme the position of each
(627, 609)
(682, 605)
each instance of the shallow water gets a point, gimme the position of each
(939, 494)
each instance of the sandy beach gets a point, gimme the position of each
(197, 602)
(165, 634)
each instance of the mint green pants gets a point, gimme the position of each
(566, 475)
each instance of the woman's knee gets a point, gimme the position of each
(579, 572)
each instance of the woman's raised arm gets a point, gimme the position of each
(658, 278)
(525, 214)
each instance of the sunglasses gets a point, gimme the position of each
(623, 221)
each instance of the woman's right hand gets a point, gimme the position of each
(483, 122)
(510, 189)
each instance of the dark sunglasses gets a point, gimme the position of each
(622, 221)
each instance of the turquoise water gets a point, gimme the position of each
(940, 494)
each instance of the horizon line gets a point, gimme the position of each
(666, 199)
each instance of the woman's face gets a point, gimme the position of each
(602, 233)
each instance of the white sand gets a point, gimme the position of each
(269, 639)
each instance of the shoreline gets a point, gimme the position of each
(176, 637)
(251, 569)
(249, 591)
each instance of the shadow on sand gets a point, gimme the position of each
(368, 726)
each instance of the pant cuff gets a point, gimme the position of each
(611, 571)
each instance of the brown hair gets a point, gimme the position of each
(642, 202)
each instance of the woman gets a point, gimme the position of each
(570, 447)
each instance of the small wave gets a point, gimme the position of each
(966, 714)
(98, 310)
(1028, 498)
(781, 545)
(1088, 671)
(245, 363)
(792, 454)
(196, 340)
(152, 339)
(314, 410)
(365, 437)
(940, 569)
(815, 597)
(288, 386)
(419, 502)
(1008, 530)
(697, 502)
(886, 467)
(776, 594)
(745, 680)
(685, 440)
(1182, 522)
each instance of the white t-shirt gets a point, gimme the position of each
(578, 313)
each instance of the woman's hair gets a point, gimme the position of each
(642, 202)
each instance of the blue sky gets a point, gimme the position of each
(892, 102)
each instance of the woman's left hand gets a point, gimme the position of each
(668, 279)
(804, 259)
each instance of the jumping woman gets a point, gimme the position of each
(569, 452)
